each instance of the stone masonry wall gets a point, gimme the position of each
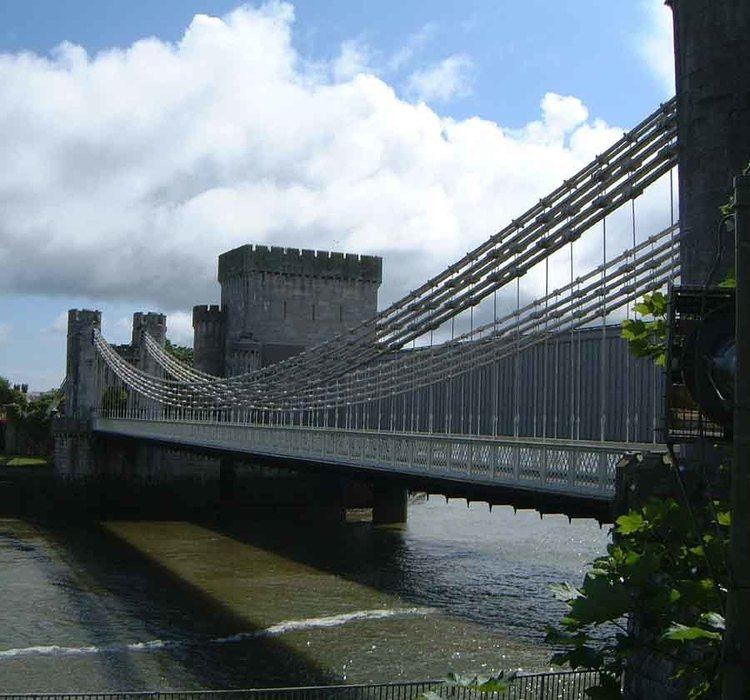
(291, 299)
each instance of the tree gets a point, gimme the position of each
(180, 352)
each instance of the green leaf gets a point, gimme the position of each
(565, 591)
(643, 309)
(603, 600)
(580, 657)
(630, 523)
(683, 633)
(724, 518)
(483, 684)
(715, 620)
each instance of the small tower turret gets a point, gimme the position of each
(80, 375)
(208, 339)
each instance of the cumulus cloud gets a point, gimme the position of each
(442, 81)
(354, 58)
(655, 45)
(127, 172)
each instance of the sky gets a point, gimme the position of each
(139, 140)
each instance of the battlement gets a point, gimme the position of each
(155, 324)
(148, 318)
(293, 261)
(204, 313)
(81, 317)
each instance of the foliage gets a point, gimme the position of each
(15, 461)
(33, 416)
(666, 570)
(180, 352)
(499, 683)
(728, 209)
(648, 338)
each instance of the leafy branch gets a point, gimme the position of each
(647, 336)
(499, 683)
(660, 571)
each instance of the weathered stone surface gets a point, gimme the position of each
(208, 339)
(277, 301)
(712, 54)
(80, 385)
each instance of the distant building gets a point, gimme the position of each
(275, 302)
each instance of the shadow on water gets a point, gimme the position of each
(459, 575)
(171, 609)
(500, 582)
(118, 672)
(372, 556)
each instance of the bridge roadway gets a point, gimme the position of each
(551, 475)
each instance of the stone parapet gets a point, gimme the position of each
(248, 259)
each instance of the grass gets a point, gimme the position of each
(18, 461)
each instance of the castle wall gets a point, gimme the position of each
(208, 339)
(277, 301)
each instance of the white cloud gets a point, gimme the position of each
(353, 59)
(180, 328)
(412, 46)
(654, 44)
(442, 81)
(126, 173)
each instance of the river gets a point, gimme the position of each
(126, 605)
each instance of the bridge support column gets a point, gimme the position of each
(389, 503)
(227, 480)
(712, 50)
(327, 502)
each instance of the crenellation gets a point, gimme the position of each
(155, 324)
(292, 261)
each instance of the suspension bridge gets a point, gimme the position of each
(504, 374)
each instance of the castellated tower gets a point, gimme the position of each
(155, 324)
(80, 385)
(277, 301)
(208, 339)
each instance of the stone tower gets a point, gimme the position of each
(712, 54)
(277, 301)
(155, 325)
(80, 372)
(208, 339)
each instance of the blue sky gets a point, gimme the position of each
(84, 177)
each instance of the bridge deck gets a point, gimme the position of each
(583, 470)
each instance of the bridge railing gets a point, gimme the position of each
(554, 466)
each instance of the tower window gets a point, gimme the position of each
(283, 310)
(312, 312)
(341, 313)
